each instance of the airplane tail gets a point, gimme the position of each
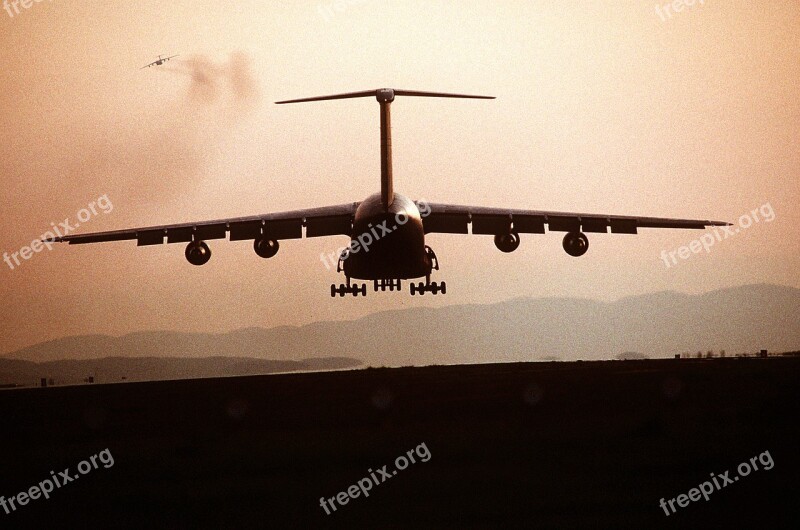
(385, 96)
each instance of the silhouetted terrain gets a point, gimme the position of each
(537, 445)
(113, 369)
(631, 356)
(742, 319)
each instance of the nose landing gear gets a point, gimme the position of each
(391, 284)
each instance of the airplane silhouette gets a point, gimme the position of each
(158, 62)
(387, 230)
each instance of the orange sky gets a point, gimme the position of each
(601, 108)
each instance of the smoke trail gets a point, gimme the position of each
(161, 157)
(211, 81)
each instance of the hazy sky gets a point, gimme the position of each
(603, 107)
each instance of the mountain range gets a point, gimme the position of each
(740, 319)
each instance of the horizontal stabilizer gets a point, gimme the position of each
(384, 94)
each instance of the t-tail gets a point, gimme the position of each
(385, 96)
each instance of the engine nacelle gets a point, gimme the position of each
(507, 242)
(266, 248)
(576, 244)
(198, 253)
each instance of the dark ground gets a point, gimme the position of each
(543, 445)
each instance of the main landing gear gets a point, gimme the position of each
(428, 287)
(354, 289)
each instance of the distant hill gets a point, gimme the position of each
(631, 356)
(741, 319)
(111, 369)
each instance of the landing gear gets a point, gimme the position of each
(343, 256)
(431, 263)
(432, 256)
(343, 289)
(391, 284)
(428, 287)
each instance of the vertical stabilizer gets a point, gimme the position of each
(385, 97)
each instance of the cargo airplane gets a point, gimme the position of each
(158, 62)
(387, 230)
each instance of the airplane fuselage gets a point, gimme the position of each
(387, 242)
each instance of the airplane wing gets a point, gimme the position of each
(324, 221)
(159, 61)
(454, 219)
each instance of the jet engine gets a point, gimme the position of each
(198, 253)
(576, 244)
(266, 248)
(507, 242)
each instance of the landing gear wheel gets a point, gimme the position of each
(427, 287)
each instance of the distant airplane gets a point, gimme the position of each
(158, 62)
(387, 230)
